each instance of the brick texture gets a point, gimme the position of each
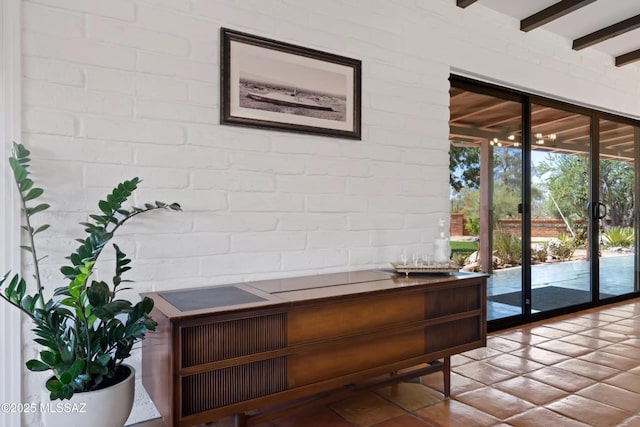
(121, 87)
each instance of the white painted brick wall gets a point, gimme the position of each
(121, 88)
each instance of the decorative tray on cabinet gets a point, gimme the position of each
(424, 268)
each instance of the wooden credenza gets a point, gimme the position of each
(227, 350)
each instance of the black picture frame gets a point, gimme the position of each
(270, 84)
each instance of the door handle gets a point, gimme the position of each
(599, 210)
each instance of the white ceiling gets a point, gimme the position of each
(581, 22)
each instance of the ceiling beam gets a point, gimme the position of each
(551, 13)
(607, 33)
(628, 58)
(464, 3)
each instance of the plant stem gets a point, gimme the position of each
(18, 306)
(34, 254)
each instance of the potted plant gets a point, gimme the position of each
(86, 330)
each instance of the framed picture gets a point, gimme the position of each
(269, 84)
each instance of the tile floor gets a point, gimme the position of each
(576, 370)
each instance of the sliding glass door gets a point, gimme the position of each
(616, 208)
(543, 199)
(486, 194)
(560, 220)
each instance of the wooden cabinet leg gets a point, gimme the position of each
(240, 420)
(446, 373)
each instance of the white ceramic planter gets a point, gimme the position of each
(109, 407)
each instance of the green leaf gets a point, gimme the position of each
(54, 385)
(104, 359)
(98, 294)
(33, 193)
(48, 357)
(66, 354)
(41, 207)
(22, 287)
(27, 303)
(36, 366)
(19, 172)
(25, 185)
(20, 150)
(105, 207)
(99, 219)
(146, 304)
(68, 271)
(76, 368)
(66, 378)
(26, 248)
(112, 309)
(45, 342)
(41, 229)
(175, 207)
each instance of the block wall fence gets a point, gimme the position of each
(540, 228)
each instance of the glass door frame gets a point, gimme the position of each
(527, 100)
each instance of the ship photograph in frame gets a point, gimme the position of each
(271, 84)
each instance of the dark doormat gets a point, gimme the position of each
(547, 298)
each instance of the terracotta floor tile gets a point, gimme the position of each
(531, 390)
(568, 326)
(624, 350)
(540, 355)
(503, 344)
(410, 396)
(628, 307)
(601, 315)
(560, 378)
(459, 383)
(547, 332)
(626, 381)
(450, 413)
(616, 311)
(587, 369)
(588, 322)
(315, 417)
(634, 342)
(611, 360)
(543, 417)
(230, 422)
(633, 322)
(459, 359)
(604, 335)
(481, 353)
(585, 341)
(524, 337)
(614, 396)
(617, 327)
(484, 372)
(564, 347)
(514, 364)
(495, 402)
(405, 421)
(367, 409)
(630, 422)
(589, 411)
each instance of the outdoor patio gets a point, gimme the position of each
(616, 278)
